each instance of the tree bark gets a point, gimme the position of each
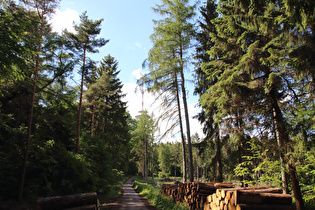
(219, 176)
(30, 119)
(296, 187)
(152, 166)
(80, 103)
(181, 129)
(93, 119)
(281, 156)
(145, 159)
(190, 158)
(283, 143)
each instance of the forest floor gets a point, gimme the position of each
(128, 200)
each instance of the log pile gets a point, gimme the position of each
(194, 194)
(84, 201)
(256, 198)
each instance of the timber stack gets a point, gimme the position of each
(85, 201)
(246, 198)
(194, 194)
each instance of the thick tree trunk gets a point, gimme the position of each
(80, 103)
(296, 187)
(281, 155)
(283, 143)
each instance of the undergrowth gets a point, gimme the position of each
(154, 197)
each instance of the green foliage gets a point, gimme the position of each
(154, 197)
(54, 170)
(305, 166)
(164, 160)
(257, 168)
(98, 157)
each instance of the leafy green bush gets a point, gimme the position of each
(154, 197)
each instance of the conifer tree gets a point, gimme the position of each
(174, 34)
(114, 114)
(113, 126)
(211, 128)
(82, 42)
(95, 94)
(42, 9)
(249, 65)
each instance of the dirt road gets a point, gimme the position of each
(129, 200)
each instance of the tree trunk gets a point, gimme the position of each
(281, 155)
(152, 166)
(283, 143)
(181, 129)
(145, 159)
(93, 119)
(80, 103)
(219, 176)
(30, 119)
(296, 187)
(190, 158)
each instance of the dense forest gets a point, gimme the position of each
(254, 70)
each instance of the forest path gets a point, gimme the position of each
(129, 200)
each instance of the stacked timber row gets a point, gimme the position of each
(85, 201)
(194, 194)
(256, 198)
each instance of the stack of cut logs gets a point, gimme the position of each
(85, 201)
(194, 194)
(223, 196)
(256, 198)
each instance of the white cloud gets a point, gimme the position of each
(134, 103)
(137, 73)
(138, 44)
(64, 20)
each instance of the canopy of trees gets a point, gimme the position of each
(254, 69)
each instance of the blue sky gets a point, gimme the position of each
(128, 25)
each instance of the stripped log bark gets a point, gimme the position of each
(256, 198)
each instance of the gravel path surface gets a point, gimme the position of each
(129, 200)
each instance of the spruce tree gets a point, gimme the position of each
(113, 126)
(249, 66)
(211, 128)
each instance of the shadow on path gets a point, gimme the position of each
(129, 200)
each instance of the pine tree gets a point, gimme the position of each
(85, 41)
(43, 9)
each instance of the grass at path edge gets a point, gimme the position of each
(154, 197)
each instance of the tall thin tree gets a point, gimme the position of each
(85, 41)
(43, 9)
(175, 33)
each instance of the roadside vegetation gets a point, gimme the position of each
(253, 67)
(152, 193)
